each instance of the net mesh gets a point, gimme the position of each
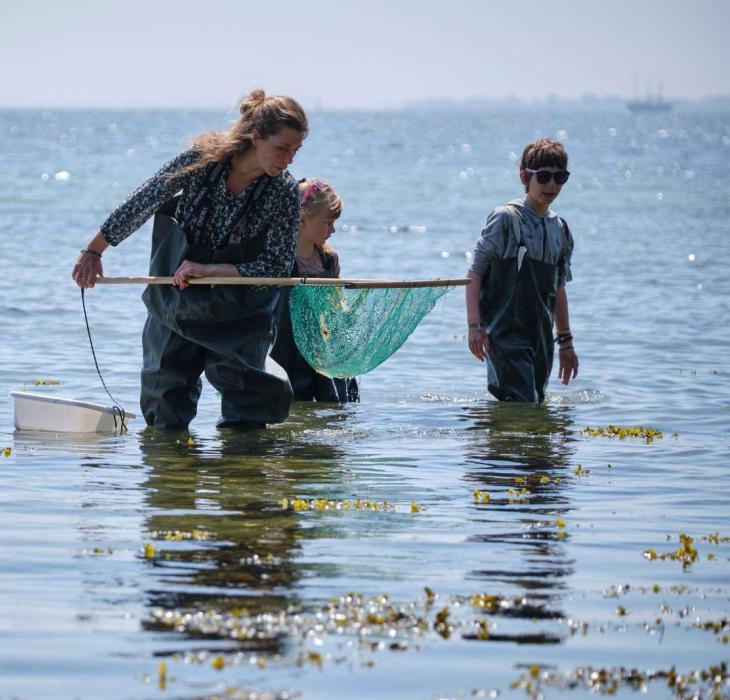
(347, 332)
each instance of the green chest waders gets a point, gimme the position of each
(517, 304)
(225, 331)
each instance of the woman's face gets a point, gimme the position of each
(276, 152)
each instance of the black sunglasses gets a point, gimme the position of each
(543, 176)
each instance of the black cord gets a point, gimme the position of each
(117, 410)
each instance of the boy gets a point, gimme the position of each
(518, 274)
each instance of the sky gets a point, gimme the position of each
(355, 54)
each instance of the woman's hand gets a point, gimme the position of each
(87, 268)
(188, 270)
(478, 343)
(568, 364)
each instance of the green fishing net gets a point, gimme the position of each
(344, 332)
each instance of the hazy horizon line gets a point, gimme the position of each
(587, 100)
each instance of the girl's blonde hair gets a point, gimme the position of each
(266, 115)
(316, 194)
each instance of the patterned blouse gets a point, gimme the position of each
(275, 214)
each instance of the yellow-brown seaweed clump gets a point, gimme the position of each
(356, 504)
(686, 552)
(179, 535)
(616, 431)
(608, 681)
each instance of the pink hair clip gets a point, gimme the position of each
(316, 186)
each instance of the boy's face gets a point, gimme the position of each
(541, 196)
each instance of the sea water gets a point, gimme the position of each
(345, 553)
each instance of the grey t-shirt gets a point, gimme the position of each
(544, 237)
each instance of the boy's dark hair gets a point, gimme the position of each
(544, 153)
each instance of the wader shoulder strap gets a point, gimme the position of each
(199, 208)
(566, 229)
(516, 231)
(328, 262)
(238, 228)
(169, 208)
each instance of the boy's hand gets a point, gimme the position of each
(568, 365)
(478, 343)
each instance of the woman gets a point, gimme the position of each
(237, 213)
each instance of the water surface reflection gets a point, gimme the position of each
(520, 455)
(221, 540)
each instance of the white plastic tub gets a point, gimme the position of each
(60, 415)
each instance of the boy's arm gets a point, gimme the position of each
(478, 341)
(568, 368)
(490, 246)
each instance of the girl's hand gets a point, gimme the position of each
(187, 270)
(568, 365)
(478, 343)
(87, 268)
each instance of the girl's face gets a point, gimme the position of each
(275, 153)
(316, 226)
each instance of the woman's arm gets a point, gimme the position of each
(129, 216)
(568, 359)
(141, 204)
(88, 265)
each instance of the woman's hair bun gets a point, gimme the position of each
(254, 99)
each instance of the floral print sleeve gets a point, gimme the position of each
(146, 199)
(281, 209)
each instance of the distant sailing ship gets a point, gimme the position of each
(652, 103)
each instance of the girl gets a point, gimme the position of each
(320, 208)
(238, 214)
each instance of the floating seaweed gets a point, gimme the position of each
(517, 496)
(686, 552)
(179, 535)
(356, 504)
(97, 551)
(368, 620)
(615, 431)
(715, 538)
(710, 682)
